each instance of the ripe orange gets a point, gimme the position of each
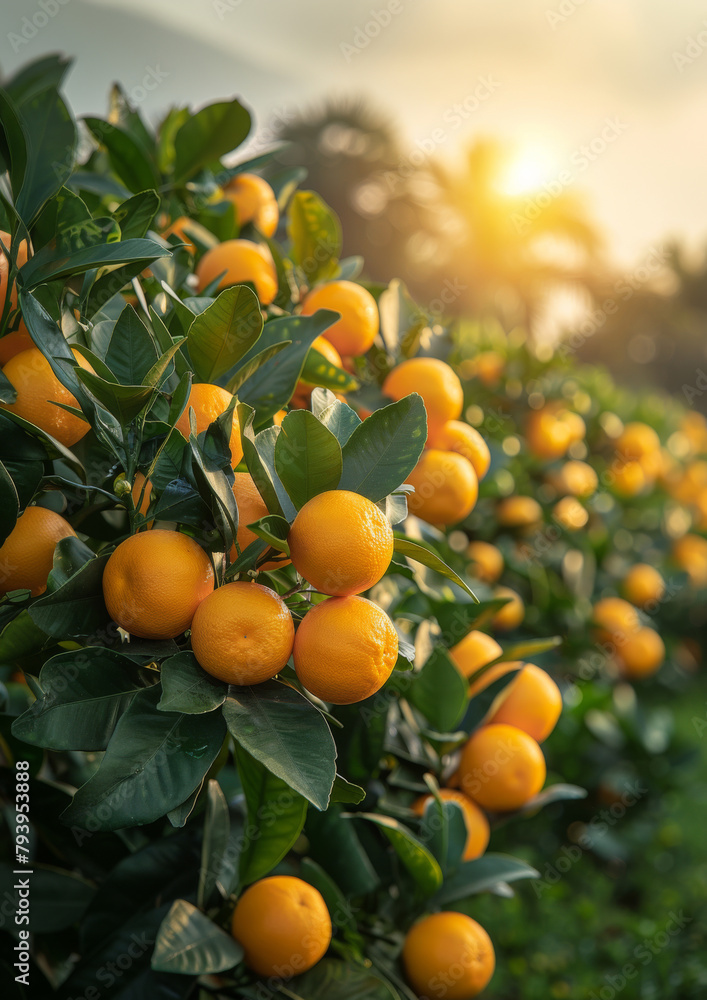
(283, 925)
(570, 513)
(477, 826)
(638, 441)
(27, 554)
(616, 617)
(181, 228)
(457, 436)
(144, 488)
(242, 633)
(510, 615)
(154, 582)
(242, 261)
(6, 239)
(38, 389)
(488, 366)
(480, 683)
(251, 507)
(486, 561)
(642, 653)
(690, 554)
(643, 584)
(14, 342)
(345, 650)
(577, 479)
(531, 702)
(446, 487)
(519, 512)
(501, 767)
(254, 201)
(628, 478)
(435, 381)
(341, 543)
(448, 955)
(209, 402)
(548, 435)
(355, 332)
(474, 651)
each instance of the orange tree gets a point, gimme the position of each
(226, 766)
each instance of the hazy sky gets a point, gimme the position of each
(628, 78)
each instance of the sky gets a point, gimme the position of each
(608, 97)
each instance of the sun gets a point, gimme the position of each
(525, 171)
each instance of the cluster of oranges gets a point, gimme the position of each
(446, 478)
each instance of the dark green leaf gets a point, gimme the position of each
(207, 136)
(75, 610)
(331, 979)
(191, 944)
(422, 553)
(274, 530)
(187, 688)
(224, 332)
(142, 252)
(128, 157)
(136, 214)
(480, 875)
(245, 371)
(318, 370)
(439, 691)
(307, 457)
(217, 828)
(420, 863)
(9, 504)
(51, 140)
(338, 417)
(131, 351)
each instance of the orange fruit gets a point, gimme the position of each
(643, 584)
(486, 561)
(519, 512)
(628, 478)
(354, 333)
(474, 651)
(14, 342)
(487, 366)
(185, 229)
(641, 654)
(345, 650)
(341, 543)
(279, 417)
(638, 441)
(531, 702)
(435, 381)
(38, 389)
(510, 615)
(616, 617)
(251, 507)
(577, 479)
(283, 926)
(501, 767)
(327, 349)
(6, 239)
(254, 201)
(690, 554)
(487, 678)
(154, 582)
(477, 826)
(209, 402)
(27, 554)
(239, 261)
(242, 633)
(457, 436)
(577, 427)
(570, 513)
(446, 487)
(141, 487)
(448, 955)
(548, 435)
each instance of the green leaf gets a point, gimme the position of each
(124, 402)
(335, 843)
(272, 385)
(226, 330)
(345, 791)
(136, 215)
(128, 157)
(402, 321)
(13, 141)
(456, 619)
(332, 979)
(9, 504)
(75, 610)
(70, 554)
(187, 688)
(531, 647)
(20, 637)
(191, 944)
(50, 135)
(284, 732)
(217, 829)
(480, 875)
(318, 370)
(84, 694)
(274, 530)
(245, 371)
(153, 760)
(131, 350)
(315, 233)
(420, 863)
(385, 448)
(339, 909)
(143, 252)
(422, 553)
(338, 417)
(276, 816)
(265, 443)
(307, 457)
(439, 691)
(207, 136)
(553, 793)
